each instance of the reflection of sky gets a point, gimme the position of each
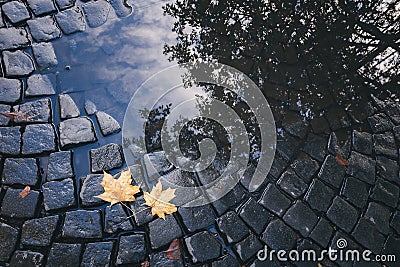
(110, 62)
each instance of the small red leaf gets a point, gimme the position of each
(25, 192)
(174, 251)
(342, 161)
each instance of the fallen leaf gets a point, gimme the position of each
(158, 200)
(25, 191)
(16, 116)
(342, 161)
(319, 265)
(146, 263)
(174, 251)
(118, 190)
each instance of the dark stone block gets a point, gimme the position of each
(295, 125)
(342, 214)
(132, 249)
(380, 123)
(332, 172)
(3, 119)
(248, 247)
(121, 8)
(305, 167)
(395, 223)
(76, 132)
(15, 11)
(278, 166)
(90, 188)
(108, 125)
(82, 224)
(319, 196)
(59, 194)
(292, 184)
(230, 200)
(362, 142)
(160, 259)
(388, 169)
(16, 207)
(232, 227)
(355, 192)
(392, 248)
(378, 215)
(115, 219)
(288, 147)
(10, 140)
(157, 164)
(39, 232)
(97, 254)
(8, 241)
(315, 147)
(142, 213)
(351, 245)
(386, 192)
(203, 247)
(13, 38)
(227, 260)
(320, 125)
(44, 29)
(106, 158)
(255, 216)
(90, 107)
(274, 200)
(41, 7)
(301, 217)
(96, 12)
(68, 108)
(322, 233)
(163, 232)
(10, 90)
(39, 85)
(278, 236)
(35, 111)
(368, 236)
(196, 218)
(63, 4)
(71, 21)
(17, 64)
(44, 55)
(385, 145)
(22, 258)
(60, 166)
(61, 253)
(22, 171)
(362, 167)
(38, 139)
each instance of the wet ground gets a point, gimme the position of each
(67, 81)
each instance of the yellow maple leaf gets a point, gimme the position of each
(158, 200)
(118, 190)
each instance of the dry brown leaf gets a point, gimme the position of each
(118, 190)
(146, 263)
(16, 116)
(319, 265)
(25, 191)
(342, 161)
(174, 251)
(159, 200)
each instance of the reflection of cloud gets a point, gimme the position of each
(114, 59)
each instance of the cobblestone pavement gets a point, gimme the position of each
(311, 197)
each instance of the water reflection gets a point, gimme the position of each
(108, 63)
(304, 54)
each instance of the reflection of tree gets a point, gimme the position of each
(307, 49)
